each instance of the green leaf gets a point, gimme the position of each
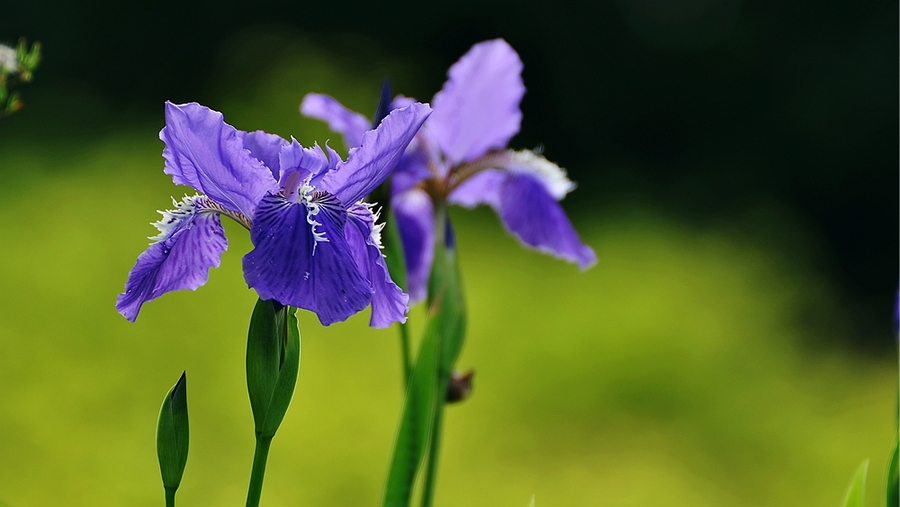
(415, 422)
(33, 58)
(173, 435)
(21, 50)
(426, 392)
(393, 250)
(892, 491)
(396, 264)
(445, 291)
(273, 363)
(857, 491)
(13, 103)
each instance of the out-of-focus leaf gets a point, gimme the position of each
(396, 264)
(21, 50)
(892, 490)
(33, 58)
(416, 419)
(856, 493)
(393, 250)
(384, 104)
(439, 349)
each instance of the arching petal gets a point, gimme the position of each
(303, 259)
(415, 219)
(389, 304)
(192, 242)
(264, 147)
(535, 217)
(349, 124)
(482, 188)
(415, 164)
(307, 162)
(478, 107)
(367, 166)
(204, 152)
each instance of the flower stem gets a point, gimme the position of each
(435, 445)
(404, 353)
(170, 497)
(259, 470)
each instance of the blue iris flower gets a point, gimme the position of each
(460, 157)
(316, 244)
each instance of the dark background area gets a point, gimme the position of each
(769, 117)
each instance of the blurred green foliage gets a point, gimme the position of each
(856, 492)
(17, 66)
(679, 371)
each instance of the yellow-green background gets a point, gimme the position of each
(682, 370)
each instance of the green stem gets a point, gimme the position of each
(404, 353)
(435, 445)
(170, 497)
(259, 470)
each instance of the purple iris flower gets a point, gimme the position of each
(316, 245)
(459, 156)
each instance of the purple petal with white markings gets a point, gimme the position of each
(204, 152)
(179, 261)
(304, 260)
(478, 107)
(389, 304)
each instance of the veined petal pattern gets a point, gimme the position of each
(290, 265)
(191, 241)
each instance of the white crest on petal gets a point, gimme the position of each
(313, 223)
(551, 175)
(316, 201)
(173, 220)
(370, 213)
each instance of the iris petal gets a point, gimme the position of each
(290, 265)
(206, 153)
(389, 304)
(369, 164)
(478, 107)
(308, 162)
(482, 188)
(535, 217)
(264, 147)
(180, 260)
(349, 124)
(415, 219)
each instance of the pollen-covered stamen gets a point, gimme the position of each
(174, 220)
